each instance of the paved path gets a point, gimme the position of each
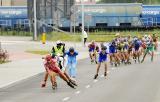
(131, 83)
(24, 65)
(20, 79)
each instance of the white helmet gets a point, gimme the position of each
(145, 36)
(58, 42)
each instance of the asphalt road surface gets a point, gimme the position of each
(130, 83)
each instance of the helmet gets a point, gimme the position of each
(145, 36)
(154, 34)
(48, 58)
(71, 49)
(149, 36)
(125, 40)
(93, 41)
(58, 42)
(113, 42)
(103, 48)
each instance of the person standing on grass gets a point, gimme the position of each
(85, 36)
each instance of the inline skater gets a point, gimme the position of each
(72, 62)
(136, 50)
(155, 41)
(149, 49)
(59, 51)
(114, 59)
(120, 46)
(93, 49)
(125, 52)
(102, 59)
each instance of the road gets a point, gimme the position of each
(130, 83)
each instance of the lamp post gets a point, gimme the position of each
(82, 16)
(35, 21)
(1, 2)
(12, 3)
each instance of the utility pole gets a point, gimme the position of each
(35, 21)
(1, 2)
(12, 3)
(82, 3)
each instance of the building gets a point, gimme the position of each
(19, 2)
(13, 2)
(50, 12)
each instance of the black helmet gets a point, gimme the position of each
(104, 48)
(71, 49)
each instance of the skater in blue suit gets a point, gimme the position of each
(102, 59)
(72, 62)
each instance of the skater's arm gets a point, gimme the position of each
(46, 77)
(63, 48)
(53, 52)
(76, 53)
(48, 71)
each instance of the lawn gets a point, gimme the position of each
(99, 36)
(39, 52)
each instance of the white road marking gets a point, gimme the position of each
(157, 53)
(77, 92)
(95, 81)
(88, 86)
(66, 98)
(7, 43)
(102, 76)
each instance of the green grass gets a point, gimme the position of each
(2, 62)
(39, 52)
(14, 33)
(99, 36)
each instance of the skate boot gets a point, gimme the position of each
(95, 77)
(70, 84)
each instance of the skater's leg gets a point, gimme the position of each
(62, 76)
(53, 80)
(67, 75)
(144, 55)
(73, 70)
(152, 55)
(98, 67)
(45, 80)
(105, 68)
(69, 69)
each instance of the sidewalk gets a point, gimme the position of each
(21, 69)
